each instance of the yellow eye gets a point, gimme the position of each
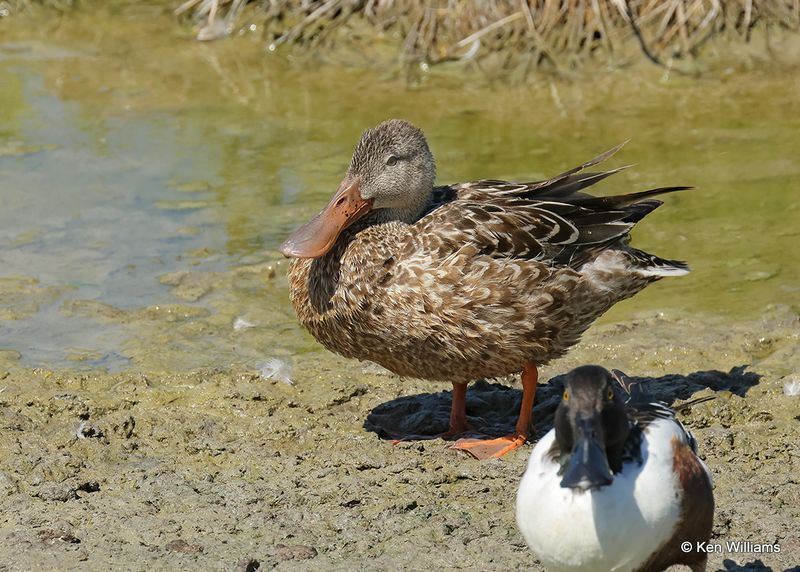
(610, 394)
(566, 396)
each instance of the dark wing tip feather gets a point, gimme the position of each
(666, 190)
(619, 201)
(565, 185)
(554, 220)
(692, 402)
(644, 410)
(631, 387)
(599, 159)
(567, 182)
(637, 211)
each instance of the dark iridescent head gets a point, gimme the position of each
(591, 426)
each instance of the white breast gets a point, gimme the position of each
(615, 528)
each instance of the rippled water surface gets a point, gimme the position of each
(146, 181)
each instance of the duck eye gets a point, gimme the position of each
(391, 161)
(566, 396)
(610, 394)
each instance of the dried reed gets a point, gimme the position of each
(534, 33)
(559, 34)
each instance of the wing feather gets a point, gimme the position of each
(550, 221)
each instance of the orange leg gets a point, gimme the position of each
(458, 417)
(495, 448)
(458, 410)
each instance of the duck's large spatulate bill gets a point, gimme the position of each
(588, 465)
(317, 236)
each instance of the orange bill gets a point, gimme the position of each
(317, 236)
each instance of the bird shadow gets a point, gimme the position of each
(492, 408)
(754, 566)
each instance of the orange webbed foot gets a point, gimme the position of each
(490, 448)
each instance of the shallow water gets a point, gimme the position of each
(146, 181)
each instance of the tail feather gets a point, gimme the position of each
(601, 222)
(618, 201)
(567, 186)
(637, 211)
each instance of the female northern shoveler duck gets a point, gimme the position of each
(614, 486)
(465, 281)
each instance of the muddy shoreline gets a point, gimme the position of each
(220, 469)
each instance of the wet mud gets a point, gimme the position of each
(222, 469)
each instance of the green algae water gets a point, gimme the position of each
(146, 181)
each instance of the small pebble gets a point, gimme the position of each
(295, 552)
(51, 536)
(248, 565)
(86, 431)
(180, 545)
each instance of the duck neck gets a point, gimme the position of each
(408, 213)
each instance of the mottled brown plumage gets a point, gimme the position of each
(469, 280)
(492, 274)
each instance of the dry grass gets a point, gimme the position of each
(518, 34)
(533, 33)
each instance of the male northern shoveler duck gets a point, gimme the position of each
(614, 486)
(464, 281)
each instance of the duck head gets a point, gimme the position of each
(392, 171)
(591, 426)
